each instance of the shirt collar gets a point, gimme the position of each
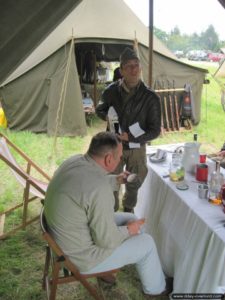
(93, 162)
(125, 87)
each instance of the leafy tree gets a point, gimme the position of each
(175, 31)
(207, 40)
(161, 35)
(195, 42)
(175, 42)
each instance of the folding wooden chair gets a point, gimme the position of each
(59, 269)
(33, 188)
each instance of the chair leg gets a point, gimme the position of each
(24, 215)
(46, 267)
(100, 288)
(93, 292)
(54, 281)
(2, 224)
(25, 204)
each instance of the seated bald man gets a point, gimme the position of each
(79, 208)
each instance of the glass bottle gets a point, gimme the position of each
(176, 170)
(195, 137)
(215, 183)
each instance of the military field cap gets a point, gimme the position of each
(127, 54)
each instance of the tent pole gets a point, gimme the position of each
(150, 42)
(81, 68)
(95, 81)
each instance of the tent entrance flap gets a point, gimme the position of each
(71, 114)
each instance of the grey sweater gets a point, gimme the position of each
(79, 210)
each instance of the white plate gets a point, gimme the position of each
(182, 186)
(154, 159)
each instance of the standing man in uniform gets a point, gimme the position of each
(139, 116)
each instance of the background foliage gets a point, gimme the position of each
(174, 40)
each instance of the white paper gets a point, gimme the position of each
(134, 145)
(112, 118)
(136, 130)
(112, 114)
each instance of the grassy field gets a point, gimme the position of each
(22, 255)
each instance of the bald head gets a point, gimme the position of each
(102, 143)
(106, 149)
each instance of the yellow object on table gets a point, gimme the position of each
(3, 121)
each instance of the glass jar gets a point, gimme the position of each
(215, 183)
(176, 170)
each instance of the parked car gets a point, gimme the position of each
(179, 53)
(202, 55)
(199, 55)
(215, 57)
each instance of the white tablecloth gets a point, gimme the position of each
(189, 232)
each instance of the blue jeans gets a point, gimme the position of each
(139, 250)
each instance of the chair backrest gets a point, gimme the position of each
(54, 246)
(20, 175)
(59, 261)
(32, 188)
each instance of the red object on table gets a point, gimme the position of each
(202, 158)
(201, 172)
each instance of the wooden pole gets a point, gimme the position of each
(95, 80)
(81, 68)
(150, 42)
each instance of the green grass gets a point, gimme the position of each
(22, 255)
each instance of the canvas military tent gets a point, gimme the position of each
(220, 72)
(32, 92)
(31, 103)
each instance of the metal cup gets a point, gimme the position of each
(203, 191)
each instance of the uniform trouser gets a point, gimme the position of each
(139, 250)
(135, 162)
